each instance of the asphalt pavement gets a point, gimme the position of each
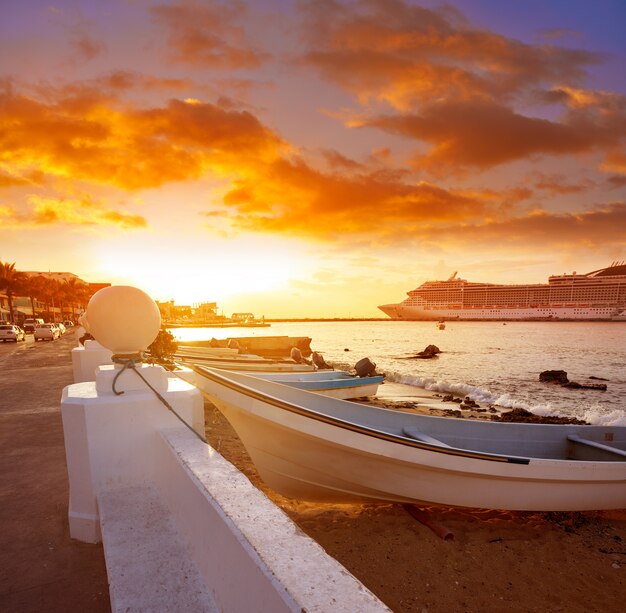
(41, 567)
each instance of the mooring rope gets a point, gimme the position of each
(131, 364)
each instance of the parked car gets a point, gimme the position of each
(29, 324)
(46, 332)
(11, 332)
(68, 323)
(62, 328)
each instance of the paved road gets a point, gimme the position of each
(41, 568)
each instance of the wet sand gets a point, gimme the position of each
(498, 560)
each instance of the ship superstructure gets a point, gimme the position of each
(598, 295)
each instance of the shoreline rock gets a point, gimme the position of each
(559, 377)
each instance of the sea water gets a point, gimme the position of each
(491, 362)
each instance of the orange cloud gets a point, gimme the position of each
(603, 226)
(456, 87)
(81, 211)
(484, 134)
(292, 197)
(205, 34)
(84, 136)
(559, 184)
(405, 54)
(357, 204)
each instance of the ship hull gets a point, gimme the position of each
(413, 313)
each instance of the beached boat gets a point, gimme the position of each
(311, 447)
(208, 350)
(243, 363)
(333, 383)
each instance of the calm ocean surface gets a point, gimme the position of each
(488, 361)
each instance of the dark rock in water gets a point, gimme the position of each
(598, 378)
(601, 387)
(524, 416)
(429, 352)
(560, 377)
(448, 398)
(457, 400)
(554, 376)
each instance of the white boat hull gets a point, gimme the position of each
(314, 458)
(331, 383)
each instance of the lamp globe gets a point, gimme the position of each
(123, 319)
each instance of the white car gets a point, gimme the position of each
(62, 328)
(10, 332)
(46, 332)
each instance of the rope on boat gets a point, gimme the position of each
(131, 364)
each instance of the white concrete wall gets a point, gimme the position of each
(238, 537)
(110, 441)
(85, 360)
(249, 554)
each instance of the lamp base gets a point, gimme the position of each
(128, 381)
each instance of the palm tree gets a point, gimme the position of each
(11, 281)
(75, 291)
(47, 289)
(33, 289)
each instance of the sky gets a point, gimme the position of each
(311, 158)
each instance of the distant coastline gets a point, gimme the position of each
(270, 321)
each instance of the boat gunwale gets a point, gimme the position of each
(348, 425)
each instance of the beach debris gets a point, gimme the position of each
(559, 377)
(424, 518)
(365, 367)
(598, 378)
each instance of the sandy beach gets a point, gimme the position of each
(522, 562)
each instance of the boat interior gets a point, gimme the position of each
(521, 440)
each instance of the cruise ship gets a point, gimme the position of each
(596, 296)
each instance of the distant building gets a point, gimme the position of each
(170, 311)
(242, 317)
(58, 276)
(206, 310)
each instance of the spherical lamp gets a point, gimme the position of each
(123, 319)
